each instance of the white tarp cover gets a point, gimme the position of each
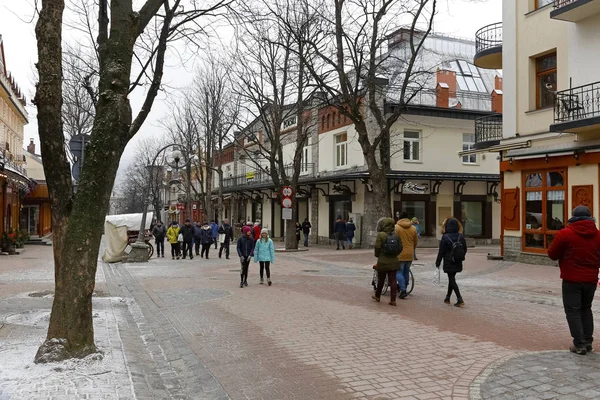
(115, 234)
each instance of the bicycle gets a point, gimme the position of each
(409, 287)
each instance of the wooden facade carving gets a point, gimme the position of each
(583, 195)
(511, 211)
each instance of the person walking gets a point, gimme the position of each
(577, 249)
(215, 232)
(387, 248)
(173, 237)
(350, 228)
(197, 237)
(159, 232)
(453, 249)
(298, 231)
(264, 253)
(206, 239)
(256, 231)
(339, 230)
(415, 222)
(306, 227)
(408, 236)
(245, 251)
(187, 230)
(225, 238)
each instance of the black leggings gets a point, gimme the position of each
(452, 285)
(265, 265)
(175, 249)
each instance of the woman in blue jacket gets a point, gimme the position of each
(264, 253)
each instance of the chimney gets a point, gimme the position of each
(449, 78)
(497, 100)
(498, 83)
(31, 147)
(442, 95)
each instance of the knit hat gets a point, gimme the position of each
(415, 219)
(246, 229)
(582, 211)
(264, 230)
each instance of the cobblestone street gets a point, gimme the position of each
(185, 330)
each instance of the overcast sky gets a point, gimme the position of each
(456, 17)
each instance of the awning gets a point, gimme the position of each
(497, 148)
(433, 176)
(555, 149)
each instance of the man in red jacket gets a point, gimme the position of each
(577, 249)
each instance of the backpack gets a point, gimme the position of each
(392, 245)
(457, 252)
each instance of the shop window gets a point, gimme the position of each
(472, 218)
(341, 147)
(412, 146)
(545, 77)
(545, 208)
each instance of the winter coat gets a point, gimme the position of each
(245, 246)
(188, 233)
(256, 232)
(408, 235)
(339, 229)
(227, 234)
(215, 229)
(451, 236)
(306, 226)
(385, 262)
(159, 232)
(577, 249)
(298, 230)
(206, 234)
(264, 250)
(172, 234)
(350, 228)
(197, 233)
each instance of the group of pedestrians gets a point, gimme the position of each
(188, 239)
(344, 232)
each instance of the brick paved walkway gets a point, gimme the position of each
(185, 330)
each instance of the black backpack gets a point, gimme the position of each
(457, 252)
(392, 245)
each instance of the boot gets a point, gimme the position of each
(392, 303)
(403, 294)
(241, 284)
(447, 300)
(459, 303)
(377, 299)
(589, 348)
(269, 281)
(578, 350)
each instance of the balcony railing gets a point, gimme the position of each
(562, 3)
(574, 10)
(260, 177)
(11, 164)
(488, 131)
(488, 46)
(578, 103)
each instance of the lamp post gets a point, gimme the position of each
(139, 249)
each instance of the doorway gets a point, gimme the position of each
(338, 206)
(30, 218)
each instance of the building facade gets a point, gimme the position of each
(36, 216)
(426, 178)
(14, 184)
(550, 147)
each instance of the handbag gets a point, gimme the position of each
(180, 237)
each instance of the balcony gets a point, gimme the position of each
(577, 110)
(488, 47)
(261, 179)
(488, 131)
(575, 10)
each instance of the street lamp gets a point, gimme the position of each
(139, 249)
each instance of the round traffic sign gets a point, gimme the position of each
(287, 191)
(286, 202)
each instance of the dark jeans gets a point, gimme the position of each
(197, 246)
(205, 249)
(306, 239)
(391, 276)
(577, 300)
(187, 249)
(216, 242)
(224, 245)
(340, 240)
(160, 246)
(175, 249)
(452, 285)
(265, 265)
(244, 271)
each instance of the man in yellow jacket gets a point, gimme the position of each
(409, 237)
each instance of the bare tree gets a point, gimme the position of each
(367, 81)
(77, 218)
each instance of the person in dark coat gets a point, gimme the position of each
(187, 230)
(206, 239)
(387, 265)
(339, 230)
(451, 236)
(159, 232)
(306, 227)
(245, 250)
(577, 249)
(350, 229)
(298, 231)
(225, 238)
(197, 237)
(215, 232)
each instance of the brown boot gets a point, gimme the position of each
(392, 303)
(375, 298)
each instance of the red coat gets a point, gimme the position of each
(256, 230)
(577, 249)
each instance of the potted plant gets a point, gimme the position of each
(9, 240)
(22, 237)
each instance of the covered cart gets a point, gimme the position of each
(119, 231)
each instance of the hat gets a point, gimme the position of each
(256, 224)
(582, 211)
(415, 219)
(246, 229)
(174, 223)
(264, 230)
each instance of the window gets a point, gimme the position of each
(469, 144)
(468, 77)
(412, 148)
(545, 208)
(545, 76)
(542, 3)
(472, 218)
(341, 146)
(304, 163)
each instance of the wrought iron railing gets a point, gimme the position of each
(261, 177)
(562, 3)
(462, 99)
(488, 37)
(577, 103)
(488, 130)
(6, 162)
